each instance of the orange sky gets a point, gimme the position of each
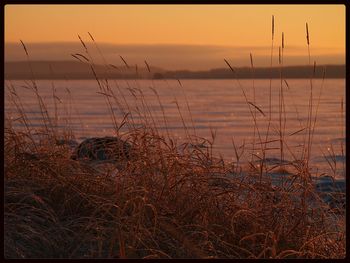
(218, 25)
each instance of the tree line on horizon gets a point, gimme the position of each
(76, 70)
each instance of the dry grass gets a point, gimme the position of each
(164, 203)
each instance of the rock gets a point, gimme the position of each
(26, 156)
(328, 184)
(72, 144)
(332, 191)
(111, 149)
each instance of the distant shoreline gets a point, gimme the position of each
(72, 70)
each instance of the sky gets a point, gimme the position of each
(177, 36)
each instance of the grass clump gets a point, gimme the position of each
(162, 204)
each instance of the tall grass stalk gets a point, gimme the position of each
(308, 147)
(254, 101)
(270, 96)
(249, 104)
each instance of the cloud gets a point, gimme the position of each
(192, 57)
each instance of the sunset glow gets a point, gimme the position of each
(226, 26)
(175, 131)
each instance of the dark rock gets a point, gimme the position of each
(26, 156)
(103, 149)
(332, 191)
(328, 184)
(69, 143)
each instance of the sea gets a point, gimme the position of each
(234, 115)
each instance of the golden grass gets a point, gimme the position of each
(163, 204)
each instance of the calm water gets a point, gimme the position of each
(216, 105)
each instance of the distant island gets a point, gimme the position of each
(79, 70)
